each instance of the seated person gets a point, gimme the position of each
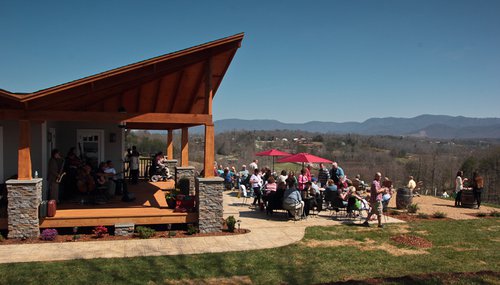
(104, 180)
(388, 192)
(270, 186)
(275, 198)
(228, 179)
(331, 192)
(292, 200)
(160, 166)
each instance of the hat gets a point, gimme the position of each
(314, 179)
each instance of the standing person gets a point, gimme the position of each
(323, 175)
(376, 201)
(459, 186)
(253, 165)
(337, 174)
(308, 172)
(292, 200)
(302, 179)
(412, 185)
(134, 165)
(477, 187)
(256, 182)
(55, 172)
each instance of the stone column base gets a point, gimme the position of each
(209, 201)
(185, 173)
(24, 198)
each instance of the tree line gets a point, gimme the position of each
(431, 161)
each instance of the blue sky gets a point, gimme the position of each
(300, 60)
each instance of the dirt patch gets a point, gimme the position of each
(404, 216)
(411, 240)
(244, 280)
(431, 278)
(365, 245)
(109, 237)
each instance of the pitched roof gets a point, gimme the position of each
(174, 83)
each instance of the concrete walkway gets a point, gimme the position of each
(266, 232)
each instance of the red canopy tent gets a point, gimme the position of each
(273, 152)
(304, 158)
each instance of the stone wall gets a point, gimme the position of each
(24, 197)
(185, 173)
(124, 229)
(209, 201)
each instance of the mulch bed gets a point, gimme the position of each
(411, 240)
(412, 217)
(109, 237)
(430, 278)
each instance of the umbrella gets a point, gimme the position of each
(304, 157)
(272, 152)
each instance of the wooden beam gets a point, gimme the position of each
(175, 94)
(170, 144)
(24, 156)
(194, 93)
(209, 150)
(209, 92)
(185, 147)
(83, 116)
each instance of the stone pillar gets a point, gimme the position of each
(209, 201)
(185, 173)
(171, 164)
(24, 197)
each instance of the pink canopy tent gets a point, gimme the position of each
(272, 152)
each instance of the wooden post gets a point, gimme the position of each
(209, 151)
(209, 128)
(170, 144)
(23, 153)
(185, 148)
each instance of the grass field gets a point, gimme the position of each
(326, 254)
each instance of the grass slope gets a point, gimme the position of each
(326, 254)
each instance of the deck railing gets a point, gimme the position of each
(144, 164)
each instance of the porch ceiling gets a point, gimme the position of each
(157, 93)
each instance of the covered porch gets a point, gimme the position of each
(170, 92)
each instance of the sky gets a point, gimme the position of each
(300, 61)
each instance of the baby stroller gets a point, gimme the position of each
(158, 171)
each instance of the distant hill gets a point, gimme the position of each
(432, 126)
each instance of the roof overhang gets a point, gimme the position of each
(166, 92)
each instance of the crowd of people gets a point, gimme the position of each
(299, 193)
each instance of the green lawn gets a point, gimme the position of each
(326, 254)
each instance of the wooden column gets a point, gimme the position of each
(170, 144)
(23, 153)
(209, 128)
(209, 151)
(185, 147)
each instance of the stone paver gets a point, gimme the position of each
(265, 232)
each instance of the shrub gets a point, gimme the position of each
(413, 208)
(172, 233)
(100, 231)
(422, 216)
(49, 234)
(145, 232)
(495, 214)
(481, 214)
(191, 230)
(1, 238)
(231, 223)
(439, 215)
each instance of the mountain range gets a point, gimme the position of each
(431, 126)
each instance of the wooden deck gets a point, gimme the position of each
(149, 207)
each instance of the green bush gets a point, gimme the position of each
(422, 216)
(191, 230)
(145, 232)
(481, 214)
(413, 208)
(495, 214)
(231, 223)
(439, 215)
(172, 233)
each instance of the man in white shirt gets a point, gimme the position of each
(412, 185)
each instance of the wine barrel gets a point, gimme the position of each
(404, 198)
(467, 199)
